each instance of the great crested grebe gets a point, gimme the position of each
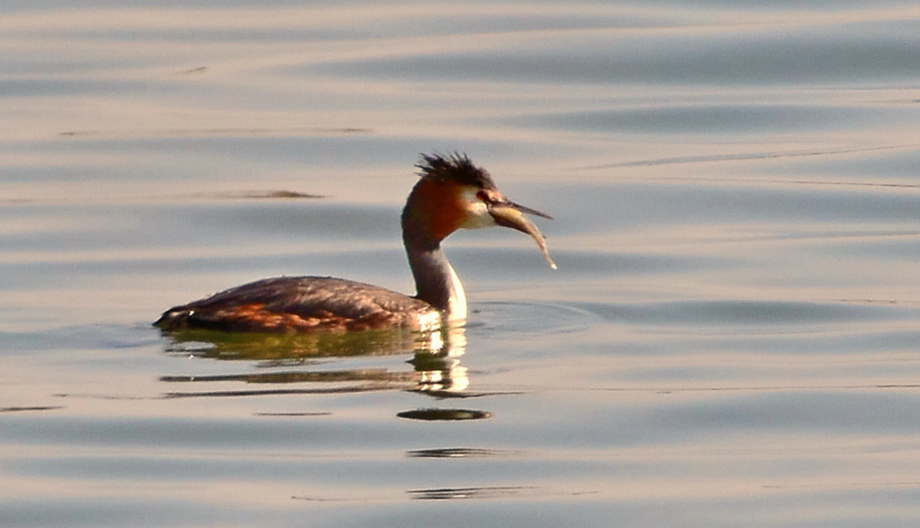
(452, 193)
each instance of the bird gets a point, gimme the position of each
(452, 193)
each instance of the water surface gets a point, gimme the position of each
(731, 337)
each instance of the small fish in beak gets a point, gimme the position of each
(509, 214)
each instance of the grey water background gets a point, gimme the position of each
(731, 338)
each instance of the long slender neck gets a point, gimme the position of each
(435, 280)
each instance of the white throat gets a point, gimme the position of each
(457, 301)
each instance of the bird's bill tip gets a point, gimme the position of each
(529, 210)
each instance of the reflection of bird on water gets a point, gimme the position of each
(285, 362)
(451, 194)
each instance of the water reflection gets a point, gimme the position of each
(488, 492)
(440, 371)
(458, 452)
(292, 349)
(440, 415)
(437, 370)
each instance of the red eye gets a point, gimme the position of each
(482, 196)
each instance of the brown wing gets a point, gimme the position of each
(299, 304)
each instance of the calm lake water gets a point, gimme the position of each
(732, 337)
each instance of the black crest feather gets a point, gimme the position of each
(454, 167)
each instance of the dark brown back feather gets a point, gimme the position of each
(298, 304)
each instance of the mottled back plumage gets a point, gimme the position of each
(300, 304)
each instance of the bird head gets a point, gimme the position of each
(453, 194)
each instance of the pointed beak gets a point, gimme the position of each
(509, 214)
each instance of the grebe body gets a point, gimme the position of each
(452, 194)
